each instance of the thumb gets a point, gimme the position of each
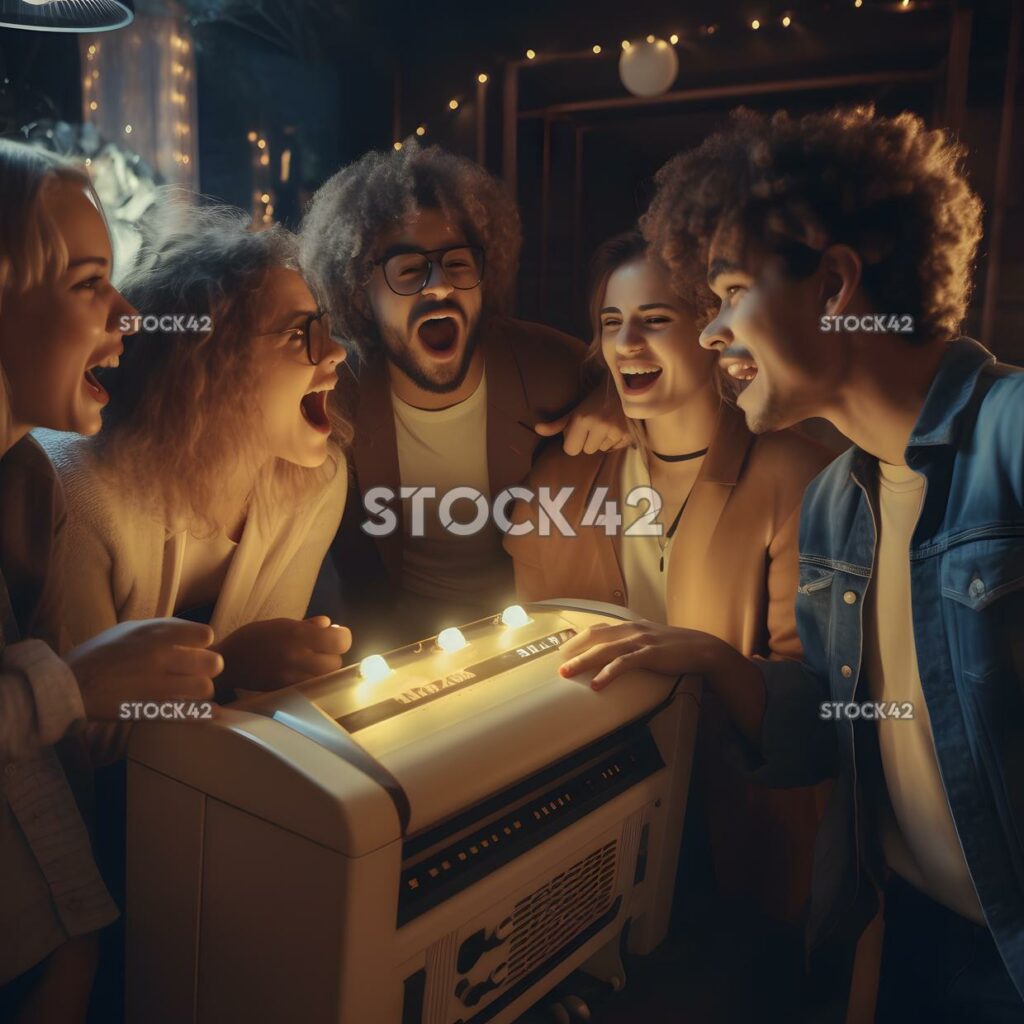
(552, 427)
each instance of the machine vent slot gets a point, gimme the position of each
(444, 871)
(553, 915)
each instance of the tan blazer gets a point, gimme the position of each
(732, 572)
(532, 376)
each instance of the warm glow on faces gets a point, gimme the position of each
(768, 335)
(649, 342)
(54, 334)
(284, 376)
(442, 365)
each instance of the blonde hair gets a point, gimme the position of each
(32, 247)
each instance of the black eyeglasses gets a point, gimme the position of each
(315, 330)
(407, 273)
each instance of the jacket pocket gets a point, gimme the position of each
(981, 571)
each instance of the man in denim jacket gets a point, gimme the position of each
(840, 249)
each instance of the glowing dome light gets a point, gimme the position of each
(67, 15)
(374, 668)
(451, 639)
(515, 615)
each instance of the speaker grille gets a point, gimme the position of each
(551, 916)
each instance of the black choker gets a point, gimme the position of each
(679, 458)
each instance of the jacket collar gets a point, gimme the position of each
(950, 391)
(729, 447)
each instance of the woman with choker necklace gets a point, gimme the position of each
(714, 548)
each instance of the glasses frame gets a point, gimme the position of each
(306, 326)
(435, 258)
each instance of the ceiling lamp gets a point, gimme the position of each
(66, 15)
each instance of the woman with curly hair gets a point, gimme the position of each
(218, 479)
(415, 252)
(60, 318)
(840, 246)
(699, 532)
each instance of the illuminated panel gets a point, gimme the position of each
(461, 679)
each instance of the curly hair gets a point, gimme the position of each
(341, 232)
(176, 421)
(888, 187)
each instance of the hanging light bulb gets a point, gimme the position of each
(374, 668)
(451, 640)
(515, 615)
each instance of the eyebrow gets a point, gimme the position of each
(98, 260)
(643, 309)
(722, 266)
(294, 317)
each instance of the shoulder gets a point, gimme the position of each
(92, 500)
(539, 349)
(785, 463)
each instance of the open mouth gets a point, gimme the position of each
(439, 334)
(638, 379)
(314, 411)
(741, 370)
(93, 386)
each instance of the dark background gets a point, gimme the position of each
(333, 78)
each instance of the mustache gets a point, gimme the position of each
(426, 308)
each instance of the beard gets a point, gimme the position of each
(398, 347)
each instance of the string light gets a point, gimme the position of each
(482, 78)
(398, 146)
(650, 39)
(531, 54)
(673, 39)
(755, 24)
(786, 21)
(597, 49)
(453, 104)
(94, 105)
(422, 130)
(265, 198)
(252, 136)
(858, 3)
(261, 144)
(127, 129)
(625, 44)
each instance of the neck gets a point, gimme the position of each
(10, 437)
(877, 409)
(421, 398)
(231, 505)
(687, 428)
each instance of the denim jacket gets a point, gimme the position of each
(967, 589)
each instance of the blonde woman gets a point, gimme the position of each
(59, 319)
(707, 540)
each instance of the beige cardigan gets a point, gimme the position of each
(123, 564)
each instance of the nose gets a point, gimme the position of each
(437, 284)
(716, 336)
(336, 354)
(631, 338)
(121, 319)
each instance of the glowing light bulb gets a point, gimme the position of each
(625, 44)
(787, 21)
(451, 639)
(515, 615)
(127, 129)
(597, 49)
(422, 130)
(453, 104)
(374, 668)
(398, 146)
(252, 136)
(673, 39)
(482, 79)
(650, 39)
(531, 54)
(755, 24)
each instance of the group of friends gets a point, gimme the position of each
(189, 512)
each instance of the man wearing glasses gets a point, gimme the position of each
(414, 254)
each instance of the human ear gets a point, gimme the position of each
(840, 278)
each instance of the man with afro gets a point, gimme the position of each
(413, 253)
(839, 248)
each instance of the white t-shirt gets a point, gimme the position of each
(918, 833)
(446, 449)
(641, 555)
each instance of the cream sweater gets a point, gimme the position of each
(123, 564)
